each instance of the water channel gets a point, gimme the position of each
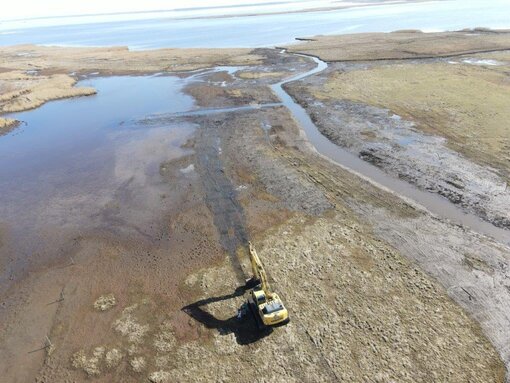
(436, 204)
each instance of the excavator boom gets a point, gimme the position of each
(258, 271)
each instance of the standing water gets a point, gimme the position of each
(205, 28)
(71, 162)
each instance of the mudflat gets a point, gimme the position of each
(378, 288)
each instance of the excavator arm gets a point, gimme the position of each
(268, 306)
(258, 271)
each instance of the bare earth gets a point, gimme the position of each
(378, 289)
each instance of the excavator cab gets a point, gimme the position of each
(267, 306)
(270, 312)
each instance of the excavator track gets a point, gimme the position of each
(255, 312)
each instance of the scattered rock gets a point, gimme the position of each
(159, 377)
(162, 361)
(105, 302)
(165, 340)
(129, 327)
(113, 358)
(138, 364)
(90, 365)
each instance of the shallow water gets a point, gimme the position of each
(79, 163)
(157, 31)
(436, 204)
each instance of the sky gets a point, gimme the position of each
(25, 9)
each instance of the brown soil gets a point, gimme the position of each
(256, 75)
(216, 97)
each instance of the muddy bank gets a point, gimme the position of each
(443, 134)
(221, 97)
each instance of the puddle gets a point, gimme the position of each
(405, 141)
(483, 62)
(188, 169)
(87, 163)
(156, 119)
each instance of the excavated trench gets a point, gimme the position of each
(220, 194)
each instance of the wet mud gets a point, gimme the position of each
(396, 145)
(220, 194)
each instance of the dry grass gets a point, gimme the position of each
(404, 44)
(119, 59)
(258, 75)
(105, 302)
(7, 124)
(467, 104)
(22, 92)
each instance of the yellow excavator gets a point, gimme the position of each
(266, 305)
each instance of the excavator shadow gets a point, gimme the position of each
(244, 328)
